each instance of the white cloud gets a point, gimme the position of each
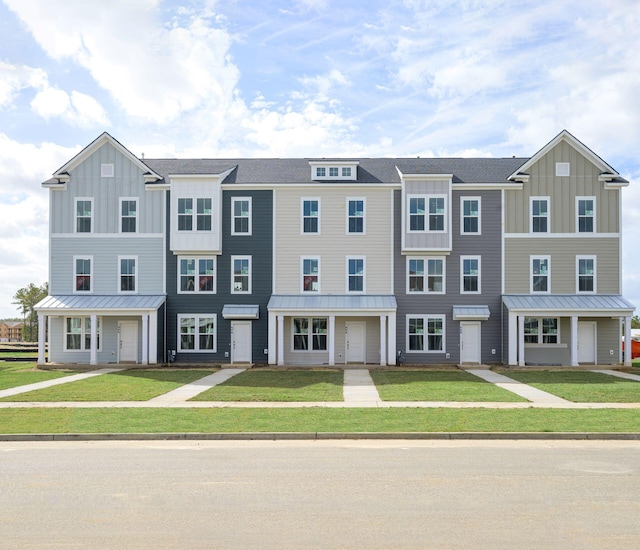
(77, 109)
(14, 79)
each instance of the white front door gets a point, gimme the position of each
(587, 342)
(355, 342)
(241, 341)
(470, 342)
(128, 342)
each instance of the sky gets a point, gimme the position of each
(313, 78)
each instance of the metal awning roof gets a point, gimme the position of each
(460, 313)
(583, 304)
(328, 303)
(232, 311)
(100, 304)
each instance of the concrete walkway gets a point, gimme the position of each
(186, 392)
(359, 389)
(523, 390)
(619, 374)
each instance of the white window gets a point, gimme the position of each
(241, 274)
(82, 274)
(355, 274)
(563, 169)
(197, 333)
(196, 274)
(427, 213)
(84, 215)
(309, 334)
(310, 215)
(355, 216)
(470, 275)
(425, 275)
(310, 268)
(321, 172)
(185, 214)
(436, 213)
(346, 171)
(540, 274)
(241, 215)
(585, 214)
(107, 170)
(333, 172)
(128, 215)
(425, 333)
(541, 330)
(539, 214)
(417, 213)
(470, 216)
(77, 334)
(128, 274)
(586, 274)
(203, 215)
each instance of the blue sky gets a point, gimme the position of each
(316, 78)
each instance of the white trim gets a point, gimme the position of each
(425, 283)
(74, 275)
(594, 326)
(121, 217)
(234, 200)
(477, 324)
(196, 280)
(548, 274)
(107, 170)
(197, 317)
(363, 217)
(309, 333)
(540, 334)
(561, 235)
(348, 274)
(92, 218)
(593, 216)
(464, 198)
(302, 274)
(479, 274)
(563, 169)
(302, 216)
(548, 216)
(107, 235)
(595, 274)
(250, 275)
(446, 218)
(83, 333)
(502, 243)
(425, 317)
(135, 274)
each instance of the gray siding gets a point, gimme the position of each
(428, 240)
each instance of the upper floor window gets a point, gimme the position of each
(333, 172)
(470, 282)
(204, 214)
(470, 219)
(355, 215)
(77, 335)
(185, 214)
(310, 274)
(541, 330)
(585, 214)
(425, 275)
(84, 216)
(427, 213)
(346, 171)
(425, 333)
(82, 274)
(197, 332)
(311, 215)
(417, 213)
(355, 274)
(586, 269)
(436, 214)
(128, 274)
(241, 266)
(128, 215)
(540, 273)
(321, 172)
(539, 215)
(241, 216)
(196, 275)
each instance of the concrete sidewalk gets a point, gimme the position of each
(523, 390)
(358, 388)
(186, 392)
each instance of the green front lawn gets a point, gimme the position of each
(433, 385)
(19, 374)
(580, 386)
(278, 385)
(129, 385)
(19, 354)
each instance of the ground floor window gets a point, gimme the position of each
(541, 330)
(78, 334)
(310, 334)
(425, 333)
(197, 332)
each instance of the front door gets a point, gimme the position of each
(355, 342)
(241, 341)
(128, 342)
(470, 342)
(587, 343)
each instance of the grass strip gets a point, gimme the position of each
(20, 374)
(313, 419)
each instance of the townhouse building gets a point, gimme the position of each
(335, 261)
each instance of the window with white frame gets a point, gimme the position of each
(203, 214)
(355, 215)
(310, 334)
(333, 172)
(77, 336)
(84, 215)
(425, 333)
(470, 219)
(197, 333)
(310, 274)
(128, 215)
(425, 275)
(128, 274)
(355, 274)
(196, 274)
(311, 215)
(586, 270)
(563, 169)
(539, 214)
(346, 171)
(185, 214)
(541, 330)
(417, 213)
(540, 273)
(321, 172)
(585, 219)
(241, 276)
(107, 170)
(436, 213)
(241, 215)
(470, 274)
(82, 274)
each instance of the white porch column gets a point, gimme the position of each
(153, 337)
(513, 339)
(574, 341)
(391, 342)
(272, 339)
(332, 340)
(627, 342)
(521, 340)
(145, 339)
(383, 340)
(94, 340)
(41, 333)
(280, 339)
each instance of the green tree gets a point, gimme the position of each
(635, 322)
(26, 298)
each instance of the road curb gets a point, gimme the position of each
(273, 436)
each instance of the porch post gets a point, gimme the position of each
(42, 319)
(383, 340)
(521, 340)
(513, 339)
(153, 337)
(332, 340)
(145, 339)
(574, 341)
(627, 342)
(94, 340)
(272, 338)
(391, 347)
(280, 340)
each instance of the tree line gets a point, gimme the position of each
(26, 299)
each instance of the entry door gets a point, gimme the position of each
(241, 341)
(587, 343)
(355, 341)
(470, 342)
(128, 341)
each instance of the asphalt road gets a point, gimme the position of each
(320, 494)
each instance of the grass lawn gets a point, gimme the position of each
(129, 385)
(19, 354)
(315, 419)
(445, 385)
(636, 363)
(19, 374)
(580, 386)
(278, 385)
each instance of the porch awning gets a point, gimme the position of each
(231, 311)
(472, 313)
(593, 305)
(335, 303)
(104, 305)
